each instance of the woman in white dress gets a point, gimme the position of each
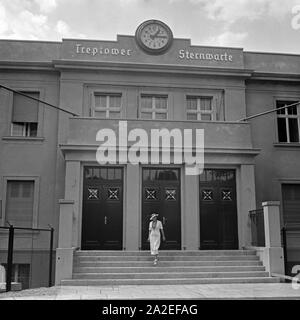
(155, 227)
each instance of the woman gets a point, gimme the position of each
(155, 227)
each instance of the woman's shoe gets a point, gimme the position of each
(155, 262)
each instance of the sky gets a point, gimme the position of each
(255, 25)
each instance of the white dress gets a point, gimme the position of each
(155, 236)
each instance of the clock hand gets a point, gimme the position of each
(152, 36)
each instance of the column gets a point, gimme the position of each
(190, 215)
(274, 261)
(132, 208)
(72, 191)
(64, 252)
(69, 222)
(247, 202)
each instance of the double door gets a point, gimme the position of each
(218, 210)
(161, 194)
(102, 214)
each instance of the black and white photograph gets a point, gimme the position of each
(149, 151)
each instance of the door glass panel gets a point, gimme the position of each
(110, 174)
(118, 174)
(103, 173)
(146, 174)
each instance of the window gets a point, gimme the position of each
(154, 107)
(19, 203)
(200, 108)
(25, 115)
(288, 122)
(291, 203)
(107, 105)
(20, 273)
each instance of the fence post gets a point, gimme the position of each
(51, 256)
(10, 258)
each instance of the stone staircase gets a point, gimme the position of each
(174, 267)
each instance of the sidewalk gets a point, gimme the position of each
(276, 291)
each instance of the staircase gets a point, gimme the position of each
(174, 267)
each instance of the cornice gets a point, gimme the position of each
(25, 65)
(65, 65)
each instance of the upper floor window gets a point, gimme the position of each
(19, 203)
(154, 107)
(25, 115)
(107, 105)
(200, 108)
(288, 121)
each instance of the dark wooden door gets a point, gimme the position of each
(218, 210)
(102, 215)
(161, 194)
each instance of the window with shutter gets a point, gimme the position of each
(25, 115)
(19, 203)
(291, 203)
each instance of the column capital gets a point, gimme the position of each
(63, 201)
(271, 203)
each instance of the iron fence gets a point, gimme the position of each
(26, 256)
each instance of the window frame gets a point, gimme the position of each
(153, 110)
(107, 109)
(36, 189)
(40, 116)
(287, 116)
(198, 111)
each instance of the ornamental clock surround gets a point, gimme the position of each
(154, 37)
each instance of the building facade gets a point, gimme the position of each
(152, 81)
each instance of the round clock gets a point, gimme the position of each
(154, 36)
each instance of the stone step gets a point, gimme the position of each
(160, 268)
(166, 258)
(165, 281)
(135, 264)
(162, 275)
(162, 253)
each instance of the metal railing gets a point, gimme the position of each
(257, 226)
(10, 251)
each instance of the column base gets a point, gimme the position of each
(64, 264)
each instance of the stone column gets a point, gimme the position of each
(246, 202)
(274, 261)
(64, 252)
(190, 215)
(72, 191)
(132, 208)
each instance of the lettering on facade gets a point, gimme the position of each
(80, 49)
(182, 54)
(189, 55)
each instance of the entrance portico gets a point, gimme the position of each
(132, 182)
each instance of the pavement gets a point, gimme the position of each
(251, 291)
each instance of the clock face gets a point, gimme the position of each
(154, 36)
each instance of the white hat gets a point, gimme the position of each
(153, 215)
